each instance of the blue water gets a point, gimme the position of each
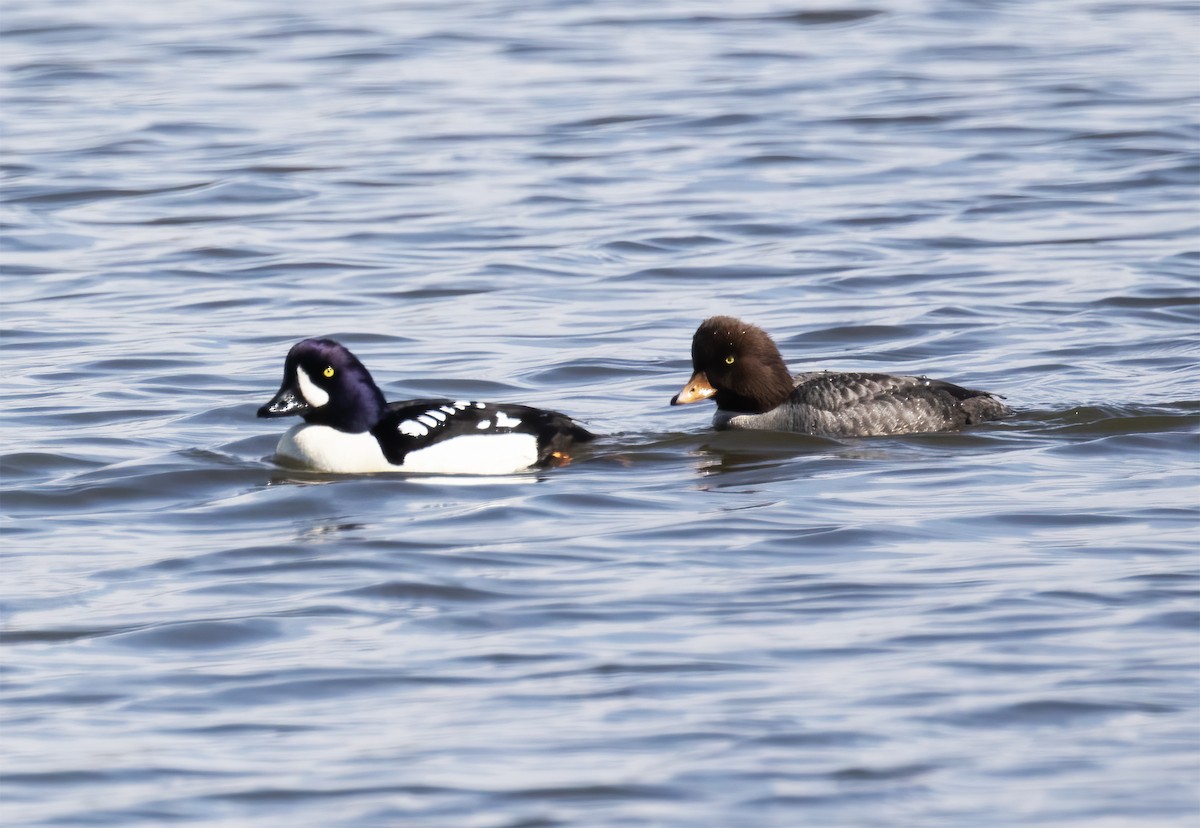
(538, 202)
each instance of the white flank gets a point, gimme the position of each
(413, 429)
(313, 394)
(482, 424)
(475, 454)
(505, 421)
(322, 448)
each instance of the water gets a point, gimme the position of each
(537, 202)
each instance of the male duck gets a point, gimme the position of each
(739, 366)
(349, 428)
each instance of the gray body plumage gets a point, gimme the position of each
(863, 405)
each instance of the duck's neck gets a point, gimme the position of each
(760, 390)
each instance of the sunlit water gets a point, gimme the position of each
(537, 202)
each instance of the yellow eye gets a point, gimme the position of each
(328, 372)
(729, 360)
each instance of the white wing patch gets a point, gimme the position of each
(413, 429)
(424, 423)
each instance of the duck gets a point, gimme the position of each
(738, 366)
(349, 428)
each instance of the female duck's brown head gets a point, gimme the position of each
(737, 365)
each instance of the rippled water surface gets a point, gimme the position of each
(537, 202)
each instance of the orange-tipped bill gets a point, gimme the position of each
(697, 389)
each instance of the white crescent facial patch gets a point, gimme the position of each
(313, 394)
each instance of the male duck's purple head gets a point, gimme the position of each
(326, 385)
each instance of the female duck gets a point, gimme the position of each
(739, 366)
(349, 428)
